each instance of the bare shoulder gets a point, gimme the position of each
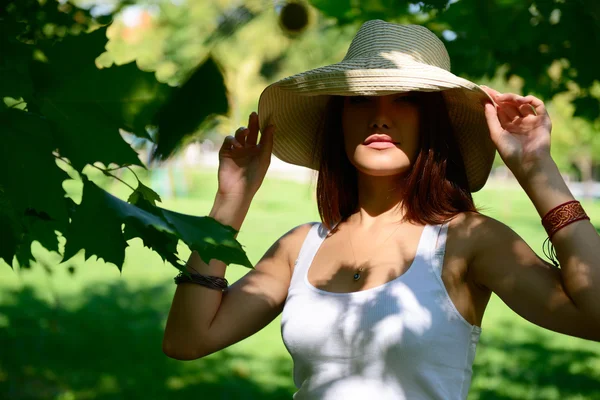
(473, 220)
(479, 230)
(291, 242)
(493, 248)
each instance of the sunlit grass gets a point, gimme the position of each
(97, 334)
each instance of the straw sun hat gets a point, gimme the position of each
(383, 58)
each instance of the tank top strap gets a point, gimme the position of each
(313, 240)
(437, 249)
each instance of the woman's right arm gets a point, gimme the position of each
(203, 320)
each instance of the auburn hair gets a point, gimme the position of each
(434, 189)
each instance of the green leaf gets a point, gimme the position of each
(85, 137)
(42, 230)
(31, 178)
(37, 227)
(202, 234)
(202, 95)
(96, 228)
(90, 105)
(143, 218)
(209, 238)
(14, 62)
(144, 192)
(15, 82)
(10, 229)
(161, 242)
(334, 8)
(164, 243)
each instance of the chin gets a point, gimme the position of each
(382, 169)
(376, 163)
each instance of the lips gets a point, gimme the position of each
(381, 145)
(378, 137)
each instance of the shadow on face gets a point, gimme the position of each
(393, 120)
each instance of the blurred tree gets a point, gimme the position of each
(66, 92)
(527, 37)
(575, 139)
(61, 114)
(490, 40)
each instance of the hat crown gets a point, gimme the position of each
(412, 42)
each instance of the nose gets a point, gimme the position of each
(380, 117)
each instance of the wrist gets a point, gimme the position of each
(230, 210)
(545, 185)
(534, 171)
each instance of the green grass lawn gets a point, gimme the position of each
(97, 334)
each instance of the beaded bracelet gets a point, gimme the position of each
(556, 219)
(211, 282)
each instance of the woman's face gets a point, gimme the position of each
(395, 116)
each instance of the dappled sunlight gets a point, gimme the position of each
(109, 346)
(95, 344)
(384, 339)
(538, 366)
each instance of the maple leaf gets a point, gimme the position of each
(96, 228)
(143, 192)
(89, 105)
(209, 238)
(27, 145)
(203, 94)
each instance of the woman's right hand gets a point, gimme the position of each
(243, 163)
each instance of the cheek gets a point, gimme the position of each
(352, 135)
(411, 132)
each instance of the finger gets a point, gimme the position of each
(509, 97)
(532, 99)
(253, 129)
(240, 134)
(527, 109)
(504, 118)
(536, 103)
(229, 143)
(510, 103)
(509, 109)
(491, 115)
(266, 140)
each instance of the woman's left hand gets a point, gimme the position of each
(520, 128)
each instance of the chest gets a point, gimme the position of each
(336, 262)
(338, 259)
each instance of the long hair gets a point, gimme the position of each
(434, 189)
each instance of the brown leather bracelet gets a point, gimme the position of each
(558, 218)
(563, 215)
(211, 282)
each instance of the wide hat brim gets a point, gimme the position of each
(296, 106)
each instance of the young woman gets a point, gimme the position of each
(386, 295)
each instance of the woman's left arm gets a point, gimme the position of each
(520, 128)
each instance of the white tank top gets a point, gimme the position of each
(401, 340)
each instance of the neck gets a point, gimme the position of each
(379, 202)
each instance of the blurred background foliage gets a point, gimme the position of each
(544, 48)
